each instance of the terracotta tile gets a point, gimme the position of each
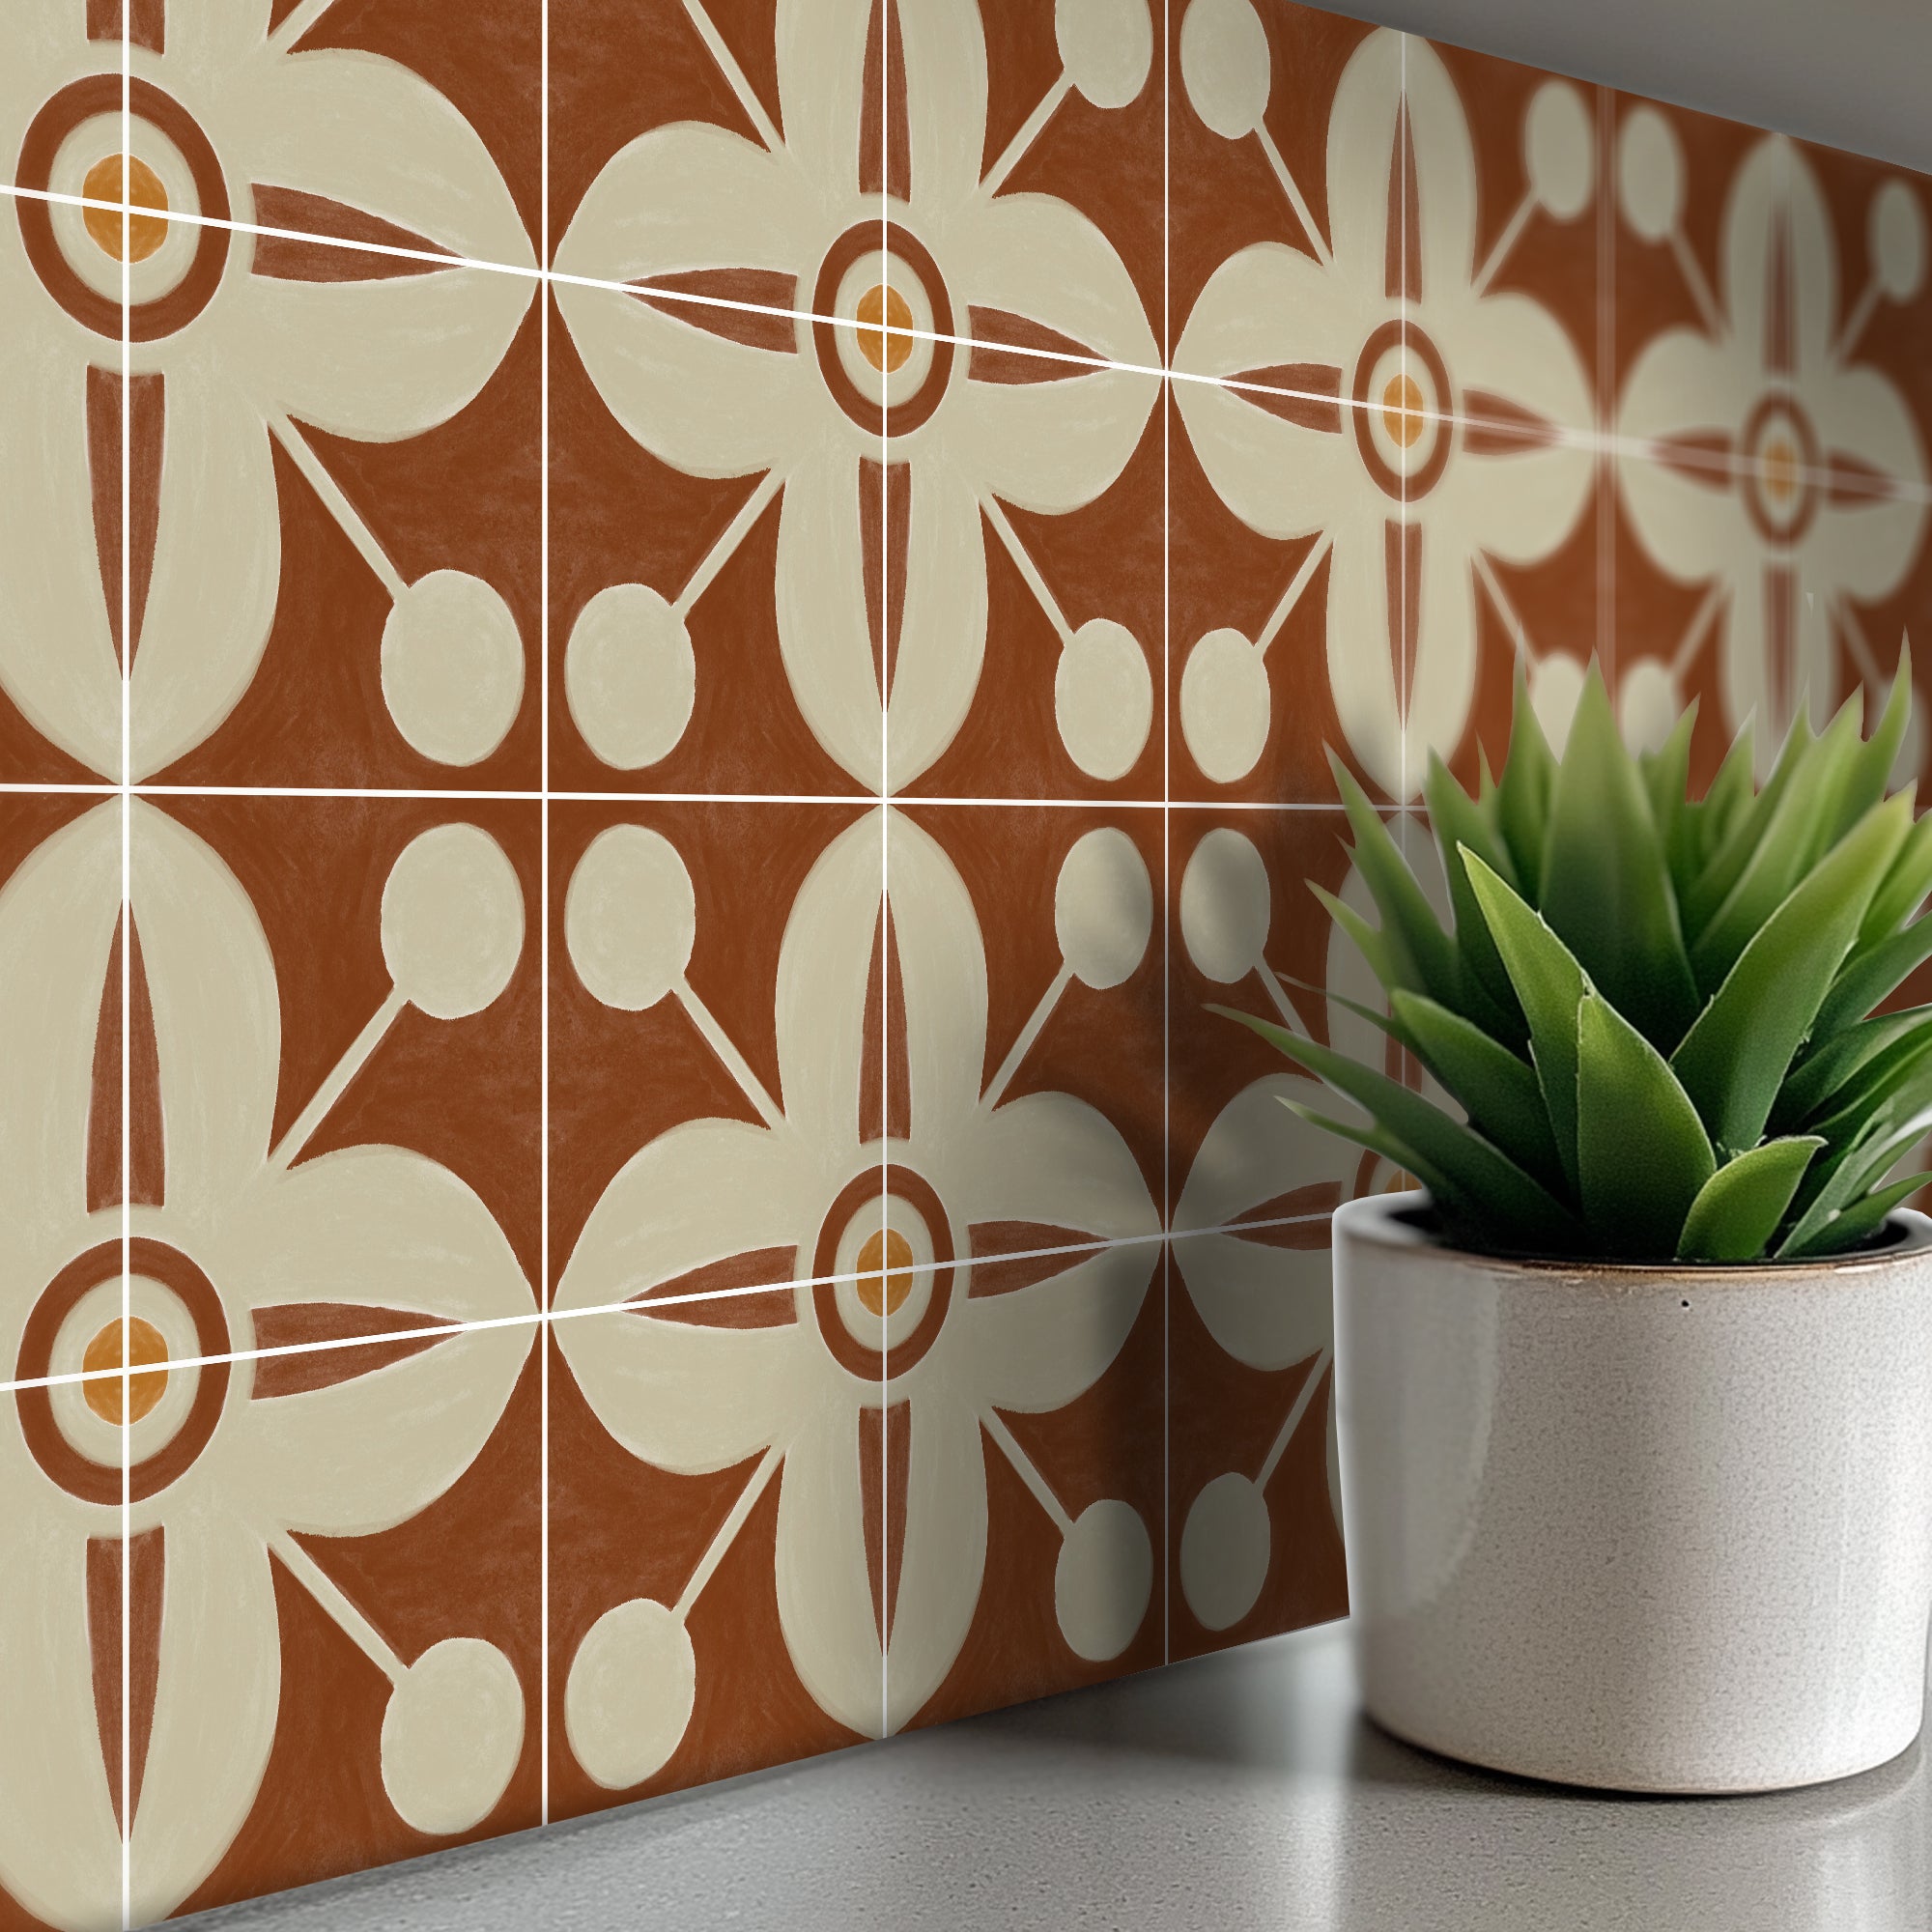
(683, 1543)
(718, 570)
(338, 554)
(352, 1578)
(1749, 588)
(1064, 584)
(60, 1483)
(1254, 1545)
(1024, 158)
(739, 162)
(716, 1079)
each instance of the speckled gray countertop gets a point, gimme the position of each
(1243, 1790)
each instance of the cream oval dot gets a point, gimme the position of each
(629, 676)
(451, 1736)
(1225, 1547)
(1224, 62)
(452, 921)
(1650, 174)
(629, 1697)
(630, 918)
(1647, 704)
(1106, 46)
(1560, 149)
(1898, 239)
(1103, 908)
(1103, 1581)
(1225, 706)
(452, 666)
(1226, 906)
(1103, 700)
(1555, 684)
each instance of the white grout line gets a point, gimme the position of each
(887, 18)
(127, 918)
(441, 1331)
(1166, 841)
(543, 943)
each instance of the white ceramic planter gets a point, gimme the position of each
(1648, 1528)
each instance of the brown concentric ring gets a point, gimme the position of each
(1786, 535)
(851, 1353)
(78, 101)
(94, 1481)
(1397, 334)
(887, 237)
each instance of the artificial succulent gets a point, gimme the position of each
(1653, 1010)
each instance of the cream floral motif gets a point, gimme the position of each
(1757, 455)
(908, 1349)
(1263, 1291)
(1433, 422)
(245, 359)
(692, 198)
(222, 1472)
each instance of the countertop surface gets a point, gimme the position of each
(1243, 1790)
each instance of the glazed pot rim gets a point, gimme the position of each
(1398, 1226)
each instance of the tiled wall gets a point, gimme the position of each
(679, 1201)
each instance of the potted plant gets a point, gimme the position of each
(1635, 1395)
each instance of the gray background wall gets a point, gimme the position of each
(1851, 74)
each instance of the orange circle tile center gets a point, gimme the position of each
(885, 1271)
(142, 234)
(144, 1348)
(1780, 470)
(1401, 409)
(881, 308)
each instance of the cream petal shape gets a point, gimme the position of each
(1256, 1151)
(824, 963)
(1037, 257)
(1859, 413)
(1036, 1349)
(943, 980)
(368, 132)
(1269, 1307)
(217, 569)
(1445, 177)
(945, 1553)
(824, 634)
(218, 1017)
(1361, 144)
(1049, 446)
(1521, 504)
(1685, 384)
(823, 1572)
(1507, 345)
(216, 1695)
(687, 1397)
(1271, 306)
(1815, 267)
(59, 1846)
(1695, 527)
(943, 632)
(1863, 549)
(1280, 478)
(57, 658)
(45, 47)
(821, 69)
(379, 360)
(1052, 1159)
(373, 1227)
(703, 1192)
(695, 196)
(945, 55)
(1746, 667)
(1362, 667)
(1760, 203)
(704, 405)
(58, 915)
(362, 1455)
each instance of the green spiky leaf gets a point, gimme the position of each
(1498, 1090)
(1737, 1210)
